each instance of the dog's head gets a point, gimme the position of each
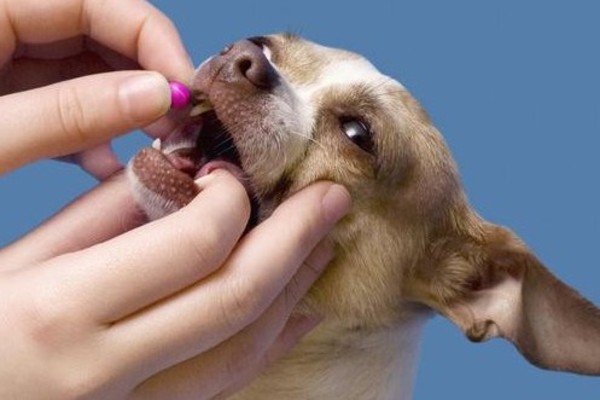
(281, 112)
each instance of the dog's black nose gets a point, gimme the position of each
(244, 62)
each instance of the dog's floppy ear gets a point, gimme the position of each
(495, 287)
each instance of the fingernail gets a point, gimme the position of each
(145, 97)
(336, 203)
(203, 181)
(212, 175)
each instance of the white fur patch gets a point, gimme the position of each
(344, 71)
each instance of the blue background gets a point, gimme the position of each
(512, 85)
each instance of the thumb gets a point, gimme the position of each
(81, 113)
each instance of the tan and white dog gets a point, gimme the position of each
(286, 112)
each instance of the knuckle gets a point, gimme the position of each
(241, 303)
(293, 292)
(46, 319)
(305, 225)
(210, 241)
(71, 114)
(52, 331)
(203, 242)
(306, 236)
(236, 195)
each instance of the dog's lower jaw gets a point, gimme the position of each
(333, 362)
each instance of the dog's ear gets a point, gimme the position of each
(495, 287)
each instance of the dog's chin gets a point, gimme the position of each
(164, 175)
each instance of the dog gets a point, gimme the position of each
(281, 112)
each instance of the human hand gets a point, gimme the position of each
(171, 309)
(92, 304)
(51, 104)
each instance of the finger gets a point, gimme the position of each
(237, 294)
(158, 259)
(101, 162)
(101, 214)
(233, 362)
(133, 28)
(70, 116)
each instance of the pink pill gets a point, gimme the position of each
(180, 95)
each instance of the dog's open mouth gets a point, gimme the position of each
(200, 145)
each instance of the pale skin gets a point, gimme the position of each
(95, 303)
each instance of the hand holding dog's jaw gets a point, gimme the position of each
(161, 300)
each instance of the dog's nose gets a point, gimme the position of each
(244, 62)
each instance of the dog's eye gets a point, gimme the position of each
(359, 132)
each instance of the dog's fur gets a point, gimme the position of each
(410, 247)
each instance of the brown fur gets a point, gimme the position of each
(411, 245)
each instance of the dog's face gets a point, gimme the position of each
(284, 113)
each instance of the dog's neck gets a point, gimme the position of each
(334, 362)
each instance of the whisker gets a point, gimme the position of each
(312, 140)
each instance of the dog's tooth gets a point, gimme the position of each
(201, 108)
(157, 144)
